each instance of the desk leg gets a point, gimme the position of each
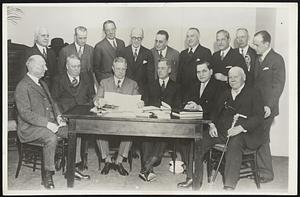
(71, 159)
(198, 165)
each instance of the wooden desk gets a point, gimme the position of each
(82, 121)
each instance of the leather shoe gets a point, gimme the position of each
(81, 165)
(106, 168)
(79, 176)
(187, 184)
(48, 181)
(228, 188)
(119, 167)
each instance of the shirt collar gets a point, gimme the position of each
(265, 54)
(133, 49)
(205, 83)
(237, 92)
(111, 41)
(245, 49)
(166, 81)
(34, 79)
(225, 51)
(163, 52)
(71, 78)
(78, 47)
(116, 81)
(41, 48)
(194, 48)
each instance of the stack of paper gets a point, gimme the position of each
(189, 115)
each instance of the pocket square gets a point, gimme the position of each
(228, 67)
(145, 62)
(198, 60)
(266, 68)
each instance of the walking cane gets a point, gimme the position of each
(235, 118)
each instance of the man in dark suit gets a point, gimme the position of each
(249, 54)
(41, 41)
(269, 79)
(165, 90)
(80, 49)
(74, 88)
(123, 85)
(140, 61)
(226, 58)
(162, 50)
(106, 50)
(188, 59)
(247, 132)
(202, 96)
(39, 118)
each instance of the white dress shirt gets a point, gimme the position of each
(163, 52)
(78, 47)
(166, 80)
(116, 81)
(262, 57)
(71, 78)
(245, 49)
(34, 79)
(133, 49)
(112, 42)
(234, 93)
(202, 87)
(41, 48)
(193, 49)
(225, 52)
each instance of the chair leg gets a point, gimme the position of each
(130, 160)
(42, 168)
(208, 166)
(256, 172)
(20, 151)
(34, 162)
(173, 155)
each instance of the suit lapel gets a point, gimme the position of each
(38, 88)
(66, 83)
(110, 49)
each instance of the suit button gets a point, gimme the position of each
(47, 108)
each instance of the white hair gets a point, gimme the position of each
(239, 70)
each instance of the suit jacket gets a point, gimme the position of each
(108, 85)
(86, 59)
(269, 79)
(141, 70)
(249, 103)
(51, 62)
(232, 58)
(104, 54)
(68, 96)
(171, 95)
(187, 67)
(35, 109)
(208, 98)
(173, 56)
(252, 54)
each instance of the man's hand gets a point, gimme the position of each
(267, 111)
(235, 130)
(220, 77)
(53, 127)
(191, 105)
(100, 102)
(213, 130)
(61, 122)
(140, 104)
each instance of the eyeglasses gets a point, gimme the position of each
(137, 38)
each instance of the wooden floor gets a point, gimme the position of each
(28, 182)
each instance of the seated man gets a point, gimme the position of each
(166, 90)
(123, 85)
(246, 133)
(74, 88)
(202, 96)
(39, 119)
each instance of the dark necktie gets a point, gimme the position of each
(119, 83)
(80, 52)
(114, 44)
(44, 53)
(160, 55)
(135, 55)
(74, 82)
(163, 86)
(222, 55)
(191, 52)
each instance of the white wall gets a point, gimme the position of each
(176, 20)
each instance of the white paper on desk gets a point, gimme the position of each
(124, 101)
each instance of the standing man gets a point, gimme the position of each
(226, 58)
(163, 90)
(269, 79)
(39, 119)
(106, 50)
(41, 41)
(188, 59)
(202, 96)
(123, 85)
(140, 61)
(79, 48)
(162, 50)
(73, 88)
(246, 133)
(249, 54)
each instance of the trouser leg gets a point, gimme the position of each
(147, 147)
(264, 157)
(103, 145)
(124, 148)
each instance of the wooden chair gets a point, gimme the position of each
(248, 167)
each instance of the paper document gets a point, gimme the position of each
(124, 101)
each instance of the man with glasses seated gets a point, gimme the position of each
(246, 133)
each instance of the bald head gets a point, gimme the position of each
(36, 66)
(137, 35)
(237, 77)
(41, 36)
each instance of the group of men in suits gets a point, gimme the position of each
(192, 79)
